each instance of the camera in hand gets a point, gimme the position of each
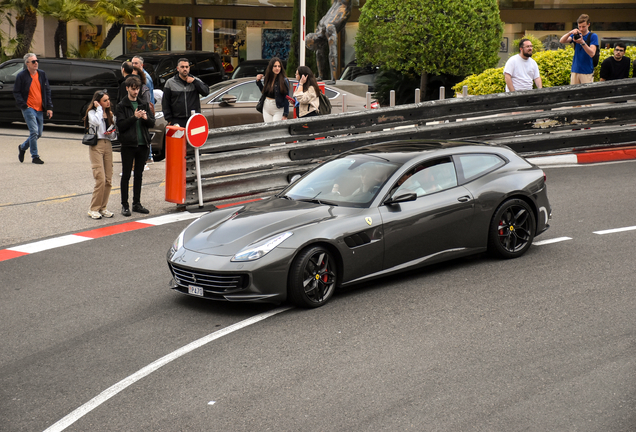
(576, 36)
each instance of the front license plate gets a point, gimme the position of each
(195, 290)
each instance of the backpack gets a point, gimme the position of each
(324, 106)
(598, 50)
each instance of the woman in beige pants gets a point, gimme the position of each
(101, 119)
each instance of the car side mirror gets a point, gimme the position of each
(228, 99)
(402, 198)
(294, 178)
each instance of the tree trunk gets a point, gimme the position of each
(423, 85)
(63, 41)
(57, 39)
(112, 32)
(25, 28)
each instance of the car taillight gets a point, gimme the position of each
(545, 177)
(374, 105)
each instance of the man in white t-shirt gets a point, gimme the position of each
(521, 69)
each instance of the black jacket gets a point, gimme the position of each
(127, 123)
(22, 86)
(281, 99)
(179, 97)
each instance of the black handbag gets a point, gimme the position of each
(90, 137)
(259, 105)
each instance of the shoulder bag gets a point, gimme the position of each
(90, 136)
(261, 102)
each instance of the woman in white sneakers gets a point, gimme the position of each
(100, 117)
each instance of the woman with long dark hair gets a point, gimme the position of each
(275, 87)
(100, 117)
(307, 92)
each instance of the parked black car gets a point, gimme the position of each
(73, 83)
(162, 65)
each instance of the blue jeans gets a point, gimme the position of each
(35, 122)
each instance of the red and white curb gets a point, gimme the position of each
(66, 240)
(585, 157)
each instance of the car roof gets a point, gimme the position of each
(155, 54)
(94, 62)
(402, 151)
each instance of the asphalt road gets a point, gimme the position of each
(544, 342)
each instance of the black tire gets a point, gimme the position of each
(512, 229)
(312, 278)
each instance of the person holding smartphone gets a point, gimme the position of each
(134, 118)
(306, 92)
(99, 116)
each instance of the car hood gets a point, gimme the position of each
(257, 221)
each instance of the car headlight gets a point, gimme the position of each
(158, 115)
(178, 243)
(260, 249)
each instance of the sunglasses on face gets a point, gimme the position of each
(33, 61)
(102, 93)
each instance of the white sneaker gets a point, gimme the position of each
(132, 173)
(106, 213)
(94, 214)
(146, 168)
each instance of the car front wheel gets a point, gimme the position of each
(511, 229)
(312, 278)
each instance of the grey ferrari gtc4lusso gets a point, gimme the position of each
(367, 213)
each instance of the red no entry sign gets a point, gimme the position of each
(197, 130)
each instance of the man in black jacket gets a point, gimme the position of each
(133, 120)
(181, 95)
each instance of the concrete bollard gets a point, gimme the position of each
(344, 103)
(417, 95)
(392, 99)
(368, 105)
(465, 91)
(442, 93)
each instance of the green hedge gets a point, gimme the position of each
(554, 67)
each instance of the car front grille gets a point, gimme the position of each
(212, 282)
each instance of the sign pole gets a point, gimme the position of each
(303, 13)
(198, 165)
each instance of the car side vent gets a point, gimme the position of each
(357, 239)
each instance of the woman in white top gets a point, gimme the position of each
(100, 117)
(307, 92)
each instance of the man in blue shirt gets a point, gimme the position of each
(138, 62)
(585, 47)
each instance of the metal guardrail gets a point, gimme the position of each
(260, 158)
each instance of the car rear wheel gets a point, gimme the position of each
(161, 154)
(312, 278)
(511, 229)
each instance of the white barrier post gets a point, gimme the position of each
(417, 95)
(392, 103)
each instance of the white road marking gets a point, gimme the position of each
(549, 241)
(615, 230)
(53, 243)
(123, 384)
(166, 219)
(198, 130)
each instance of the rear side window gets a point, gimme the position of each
(58, 74)
(10, 71)
(93, 77)
(206, 65)
(476, 165)
(166, 68)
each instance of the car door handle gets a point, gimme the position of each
(464, 198)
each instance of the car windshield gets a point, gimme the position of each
(218, 87)
(352, 181)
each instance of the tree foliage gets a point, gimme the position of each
(432, 36)
(26, 21)
(64, 11)
(554, 68)
(117, 13)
